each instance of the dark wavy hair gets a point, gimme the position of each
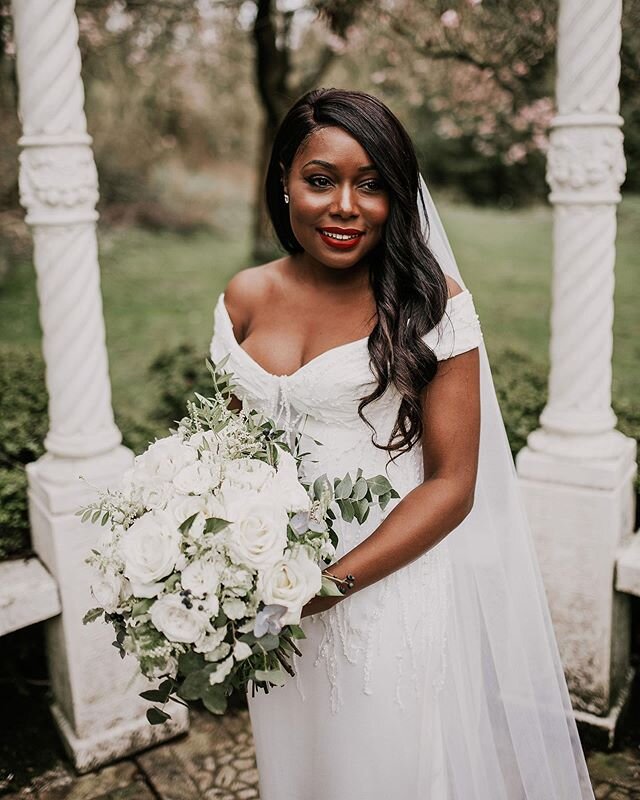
(409, 287)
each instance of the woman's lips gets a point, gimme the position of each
(340, 244)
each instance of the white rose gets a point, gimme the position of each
(201, 577)
(234, 608)
(164, 458)
(182, 506)
(198, 478)
(107, 591)
(292, 582)
(150, 548)
(287, 486)
(177, 622)
(250, 474)
(241, 651)
(221, 671)
(140, 589)
(257, 534)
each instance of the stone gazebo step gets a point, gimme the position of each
(28, 594)
(628, 566)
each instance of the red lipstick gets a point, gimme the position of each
(339, 243)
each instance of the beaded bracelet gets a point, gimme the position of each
(343, 584)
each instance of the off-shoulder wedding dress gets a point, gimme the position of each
(442, 681)
(361, 720)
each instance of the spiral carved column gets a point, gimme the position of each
(59, 189)
(577, 469)
(96, 703)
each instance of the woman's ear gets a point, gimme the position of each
(283, 178)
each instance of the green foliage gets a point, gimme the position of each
(23, 425)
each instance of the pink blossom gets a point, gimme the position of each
(450, 18)
(516, 153)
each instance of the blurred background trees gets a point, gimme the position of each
(185, 85)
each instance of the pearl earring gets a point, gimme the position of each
(286, 197)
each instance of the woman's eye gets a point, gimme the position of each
(321, 182)
(312, 180)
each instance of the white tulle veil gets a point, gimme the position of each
(507, 720)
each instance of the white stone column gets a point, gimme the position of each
(577, 471)
(97, 707)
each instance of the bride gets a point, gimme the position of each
(435, 675)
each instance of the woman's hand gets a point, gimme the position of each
(318, 604)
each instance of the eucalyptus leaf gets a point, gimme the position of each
(347, 510)
(92, 614)
(142, 606)
(297, 632)
(269, 641)
(157, 716)
(383, 499)
(190, 662)
(215, 699)
(275, 676)
(360, 508)
(360, 489)
(194, 685)
(343, 489)
(379, 485)
(215, 524)
(186, 525)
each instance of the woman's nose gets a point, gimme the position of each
(345, 202)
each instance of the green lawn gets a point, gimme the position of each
(160, 288)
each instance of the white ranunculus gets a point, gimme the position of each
(237, 580)
(220, 652)
(155, 493)
(107, 591)
(221, 671)
(177, 622)
(292, 582)
(150, 548)
(241, 651)
(182, 506)
(249, 474)
(287, 486)
(201, 577)
(207, 441)
(210, 640)
(197, 478)
(257, 534)
(234, 608)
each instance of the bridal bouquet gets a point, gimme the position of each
(214, 546)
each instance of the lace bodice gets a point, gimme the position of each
(321, 399)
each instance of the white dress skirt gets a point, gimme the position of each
(361, 720)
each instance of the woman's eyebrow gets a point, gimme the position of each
(328, 165)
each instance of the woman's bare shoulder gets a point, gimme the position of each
(453, 286)
(249, 290)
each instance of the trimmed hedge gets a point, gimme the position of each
(521, 387)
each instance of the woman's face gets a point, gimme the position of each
(338, 205)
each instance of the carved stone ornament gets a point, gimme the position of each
(586, 164)
(58, 183)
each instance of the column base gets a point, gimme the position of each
(601, 733)
(120, 740)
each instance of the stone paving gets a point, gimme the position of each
(215, 761)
